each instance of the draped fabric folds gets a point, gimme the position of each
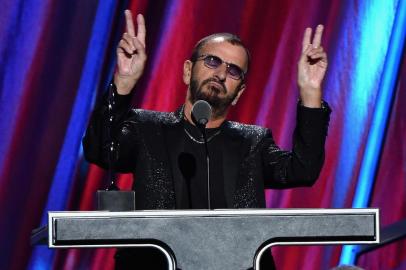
(58, 56)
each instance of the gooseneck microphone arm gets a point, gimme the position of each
(201, 113)
(203, 130)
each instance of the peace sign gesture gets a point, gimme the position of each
(131, 56)
(312, 67)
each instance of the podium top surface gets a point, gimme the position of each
(202, 239)
(221, 212)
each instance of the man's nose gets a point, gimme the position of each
(221, 72)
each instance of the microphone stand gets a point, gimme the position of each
(111, 198)
(112, 149)
(202, 128)
(201, 113)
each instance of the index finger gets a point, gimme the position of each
(306, 38)
(317, 36)
(129, 23)
(141, 31)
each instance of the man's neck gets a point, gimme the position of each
(213, 123)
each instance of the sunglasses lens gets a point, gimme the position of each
(212, 61)
(234, 71)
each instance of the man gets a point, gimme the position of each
(166, 150)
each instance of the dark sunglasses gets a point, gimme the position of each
(213, 62)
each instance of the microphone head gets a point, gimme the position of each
(201, 112)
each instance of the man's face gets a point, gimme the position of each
(215, 85)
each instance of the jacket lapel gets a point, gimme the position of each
(174, 145)
(233, 154)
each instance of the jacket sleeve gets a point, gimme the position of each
(109, 126)
(302, 165)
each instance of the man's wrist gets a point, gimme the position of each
(312, 103)
(311, 98)
(123, 84)
(324, 105)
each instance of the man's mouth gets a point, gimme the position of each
(216, 86)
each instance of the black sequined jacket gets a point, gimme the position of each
(145, 142)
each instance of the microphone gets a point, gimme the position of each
(201, 113)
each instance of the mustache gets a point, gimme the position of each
(223, 86)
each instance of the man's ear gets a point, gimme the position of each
(187, 71)
(242, 88)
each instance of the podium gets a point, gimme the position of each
(213, 239)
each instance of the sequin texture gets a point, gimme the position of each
(252, 159)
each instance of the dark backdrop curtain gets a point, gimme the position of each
(58, 56)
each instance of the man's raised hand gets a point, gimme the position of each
(131, 56)
(312, 67)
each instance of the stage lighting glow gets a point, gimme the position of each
(380, 117)
(58, 194)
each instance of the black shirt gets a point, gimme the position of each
(193, 165)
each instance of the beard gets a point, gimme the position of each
(215, 95)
